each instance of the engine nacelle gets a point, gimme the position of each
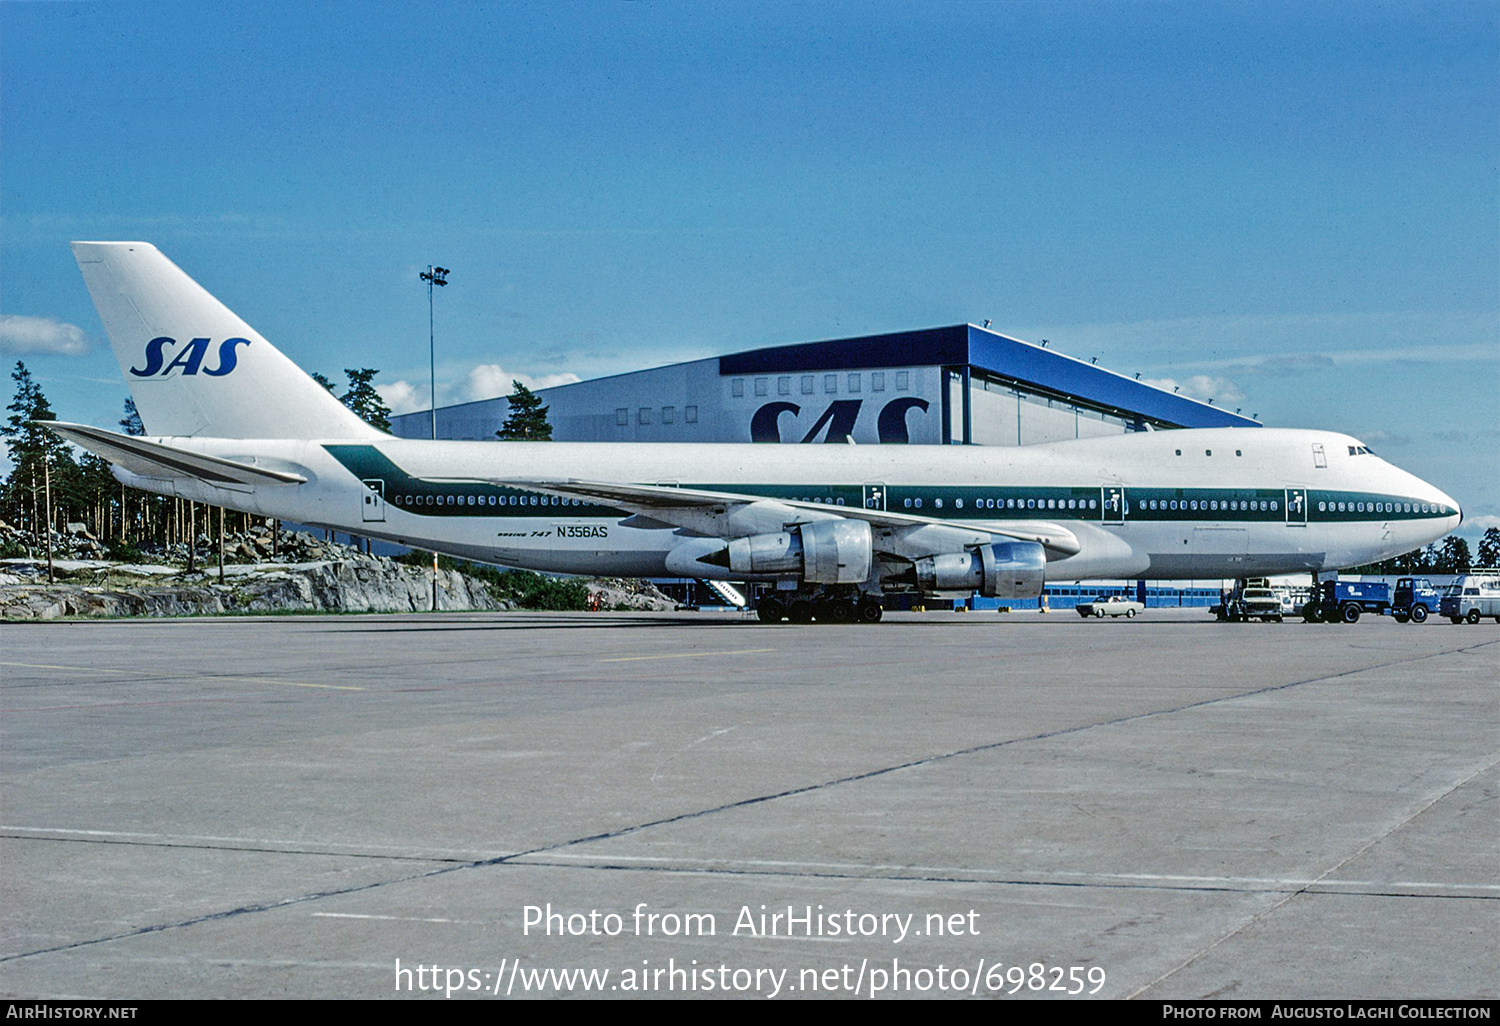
(827, 552)
(1014, 570)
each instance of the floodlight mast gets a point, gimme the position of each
(433, 276)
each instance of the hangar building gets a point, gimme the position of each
(956, 385)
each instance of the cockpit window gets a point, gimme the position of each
(1361, 450)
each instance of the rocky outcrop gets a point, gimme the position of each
(351, 583)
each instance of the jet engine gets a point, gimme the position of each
(825, 552)
(1014, 570)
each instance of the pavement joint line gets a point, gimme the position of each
(1261, 915)
(791, 792)
(266, 849)
(1291, 888)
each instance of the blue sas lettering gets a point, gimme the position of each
(189, 358)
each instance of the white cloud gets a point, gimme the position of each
(1474, 527)
(402, 396)
(488, 381)
(1200, 386)
(23, 336)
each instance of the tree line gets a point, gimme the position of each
(48, 485)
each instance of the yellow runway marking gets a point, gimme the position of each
(208, 678)
(686, 655)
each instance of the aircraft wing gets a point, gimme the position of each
(673, 506)
(157, 459)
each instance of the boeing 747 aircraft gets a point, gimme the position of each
(233, 422)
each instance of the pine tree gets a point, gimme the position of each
(364, 400)
(131, 422)
(1489, 547)
(35, 452)
(528, 417)
(320, 379)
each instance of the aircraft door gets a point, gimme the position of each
(1112, 502)
(373, 510)
(874, 496)
(1296, 507)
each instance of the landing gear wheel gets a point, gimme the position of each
(1350, 613)
(1473, 616)
(800, 612)
(869, 611)
(1419, 614)
(770, 611)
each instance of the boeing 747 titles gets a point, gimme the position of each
(233, 422)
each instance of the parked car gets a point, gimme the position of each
(1114, 605)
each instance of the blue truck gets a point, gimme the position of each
(1346, 601)
(1415, 599)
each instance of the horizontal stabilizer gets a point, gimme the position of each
(156, 459)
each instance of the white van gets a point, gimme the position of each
(1473, 596)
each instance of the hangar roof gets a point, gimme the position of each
(993, 354)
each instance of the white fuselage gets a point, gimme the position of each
(1165, 505)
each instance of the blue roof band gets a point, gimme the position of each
(992, 355)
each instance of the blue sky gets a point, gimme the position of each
(1294, 208)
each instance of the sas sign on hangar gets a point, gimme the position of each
(941, 386)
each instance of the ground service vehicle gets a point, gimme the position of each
(1345, 601)
(1414, 599)
(1251, 602)
(1472, 597)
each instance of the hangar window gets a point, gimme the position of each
(854, 382)
(669, 414)
(760, 386)
(807, 384)
(622, 416)
(902, 379)
(737, 387)
(877, 382)
(644, 416)
(830, 383)
(783, 386)
(690, 414)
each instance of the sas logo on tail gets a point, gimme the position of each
(189, 358)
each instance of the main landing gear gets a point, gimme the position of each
(800, 609)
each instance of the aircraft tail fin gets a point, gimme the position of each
(194, 367)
